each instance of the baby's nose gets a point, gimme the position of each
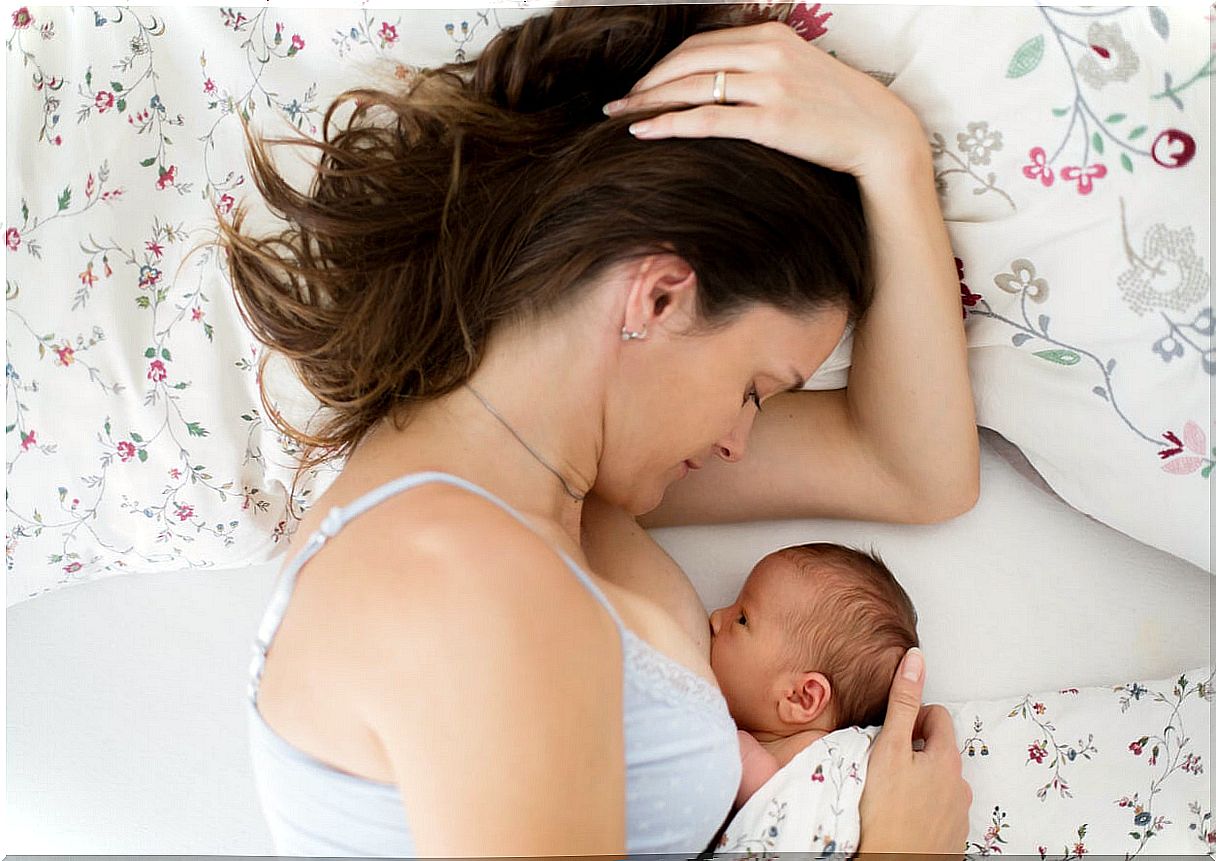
(715, 620)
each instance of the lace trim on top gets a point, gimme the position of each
(667, 678)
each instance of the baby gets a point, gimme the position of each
(810, 646)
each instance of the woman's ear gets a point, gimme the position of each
(662, 293)
(806, 700)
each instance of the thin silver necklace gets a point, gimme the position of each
(577, 497)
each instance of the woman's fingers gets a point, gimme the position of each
(741, 49)
(738, 88)
(709, 121)
(934, 725)
(903, 702)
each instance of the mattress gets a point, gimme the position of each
(125, 722)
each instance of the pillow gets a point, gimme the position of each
(1072, 167)
(135, 439)
(1116, 771)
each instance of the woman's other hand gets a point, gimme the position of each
(780, 91)
(914, 801)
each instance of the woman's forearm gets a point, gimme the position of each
(909, 393)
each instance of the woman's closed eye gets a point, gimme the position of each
(753, 395)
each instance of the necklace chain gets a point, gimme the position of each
(577, 497)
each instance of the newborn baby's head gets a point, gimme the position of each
(812, 641)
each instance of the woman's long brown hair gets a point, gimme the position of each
(496, 190)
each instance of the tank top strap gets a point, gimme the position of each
(337, 517)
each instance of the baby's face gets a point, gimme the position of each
(749, 637)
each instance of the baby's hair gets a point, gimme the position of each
(863, 622)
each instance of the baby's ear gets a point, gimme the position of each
(808, 700)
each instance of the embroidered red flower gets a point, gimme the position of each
(156, 371)
(175, 472)
(1176, 158)
(12, 238)
(154, 247)
(1136, 747)
(1195, 443)
(208, 86)
(388, 34)
(167, 177)
(57, 141)
(196, 314)
(88, 186)
(1079, 849)
(126, 451)
(817, 777)
(1175, 446)
(183, 512)
(226, 203)
(22, 18)
(1084, 176)
(87, 278)
(297, 45)
(1038, 168)
(72, 567)
(807, 22)
(65, 354)
(1039, 708)
(27, 440)
(1037, 752)
(104, 101)
(149, 276)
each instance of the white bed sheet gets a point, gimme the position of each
(125, 729)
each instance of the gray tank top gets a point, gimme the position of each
(682, 763)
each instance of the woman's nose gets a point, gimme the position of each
(732, 447)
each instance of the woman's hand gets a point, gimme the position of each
(914, 801)
(780, 91)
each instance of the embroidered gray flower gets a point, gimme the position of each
(139, 45)
(979, 143)
(1168, 274)
(1108, 58)
(1023, 280)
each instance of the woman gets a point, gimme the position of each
(507, 300)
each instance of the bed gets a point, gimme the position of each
(148, 499)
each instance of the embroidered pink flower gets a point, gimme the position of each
(65, 354)
(175, 472)
(1079, 849)
(1039, 708)
(208, 86)
(1038, 168)
(156, 371)
(169, 177)
(12, 238)
(22, 18)
(1193, 446)
(388, 34)
(104, 101)
(57, 140)
(297, 44)
(27, 440)
(106, 262)
(72, 567)
(1042, 852)
(149, 276)
(154, 247)
(1136, 747)
(970, 300)
(807, 22)
(1036, 752)
(1192, 764)
(87, 278)
(1084, 176)
(196, 314)
(126, 450)
(183, 512)
(1175, 158)
(817, 777)
(226, 203)
(88, 186)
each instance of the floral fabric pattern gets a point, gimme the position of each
(1116, 771)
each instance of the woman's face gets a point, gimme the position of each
(686, 398)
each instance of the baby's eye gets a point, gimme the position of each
(742, 619)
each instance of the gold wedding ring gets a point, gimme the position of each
(720, 88)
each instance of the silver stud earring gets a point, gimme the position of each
(626, 335)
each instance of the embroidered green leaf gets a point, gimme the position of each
(164, 354)
(143, 455)
(25, 211)
(136, 437)
(107, 426)
(65, 199)
(1059, 112)
(1026, 59)
(9, 428)
(149, 353)
(142, 301)
(88, 77)
(1060, 357)
(195, 429)
(1136, 132)
(116, 86)
(148, 161)
(1116, 118)
(122, 105)
(1125, 161)
(1160, 23)
(1098, 142)
(1206, 472)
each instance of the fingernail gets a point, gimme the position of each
(639, 129)
(613, 107)
(914, 664)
